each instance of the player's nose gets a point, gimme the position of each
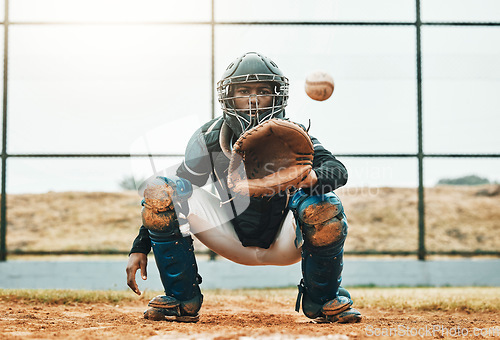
(252, 98)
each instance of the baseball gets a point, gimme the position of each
(319, 85)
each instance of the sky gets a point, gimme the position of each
(108, 86)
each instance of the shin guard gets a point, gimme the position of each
(179, 274)
(321, 271)
(323, 227)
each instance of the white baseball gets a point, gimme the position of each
(319, 85)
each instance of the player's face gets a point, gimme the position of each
(252, 97)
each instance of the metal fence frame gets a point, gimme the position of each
(421, 253)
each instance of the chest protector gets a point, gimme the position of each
(258, 224)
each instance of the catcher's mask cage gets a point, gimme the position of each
(252, 68)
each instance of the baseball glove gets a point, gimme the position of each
(270, 158)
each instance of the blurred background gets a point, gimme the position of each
(90, 88)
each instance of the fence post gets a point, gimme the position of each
(420, 155)
(3, 204)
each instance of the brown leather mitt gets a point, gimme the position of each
(270, 158)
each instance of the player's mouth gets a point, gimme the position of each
(251, 112)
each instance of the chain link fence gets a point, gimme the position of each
(409, 220)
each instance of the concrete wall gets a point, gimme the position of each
(110, 275)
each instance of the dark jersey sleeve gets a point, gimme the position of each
(142, 243)
(196, 166)
(331, 173)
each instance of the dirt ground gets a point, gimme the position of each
(233, 318)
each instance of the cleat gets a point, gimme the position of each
(350, 315)
(337, 305)
(164, 301)
(162, 314)
(154, 314)
(187, 318)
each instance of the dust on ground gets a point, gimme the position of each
(232, 318)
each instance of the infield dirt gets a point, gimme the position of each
(232, 317)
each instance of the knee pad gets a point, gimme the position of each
(164, 207)
(321, 218)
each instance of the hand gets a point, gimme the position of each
(310, 181)
(136, 261)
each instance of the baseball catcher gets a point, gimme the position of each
(275, 203)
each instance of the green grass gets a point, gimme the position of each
(473, 299)
(64, 296)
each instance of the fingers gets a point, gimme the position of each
(144, 272)
(136, 261)
(131, 280)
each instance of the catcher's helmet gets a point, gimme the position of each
(252, 67)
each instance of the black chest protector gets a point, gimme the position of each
(259, 222)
